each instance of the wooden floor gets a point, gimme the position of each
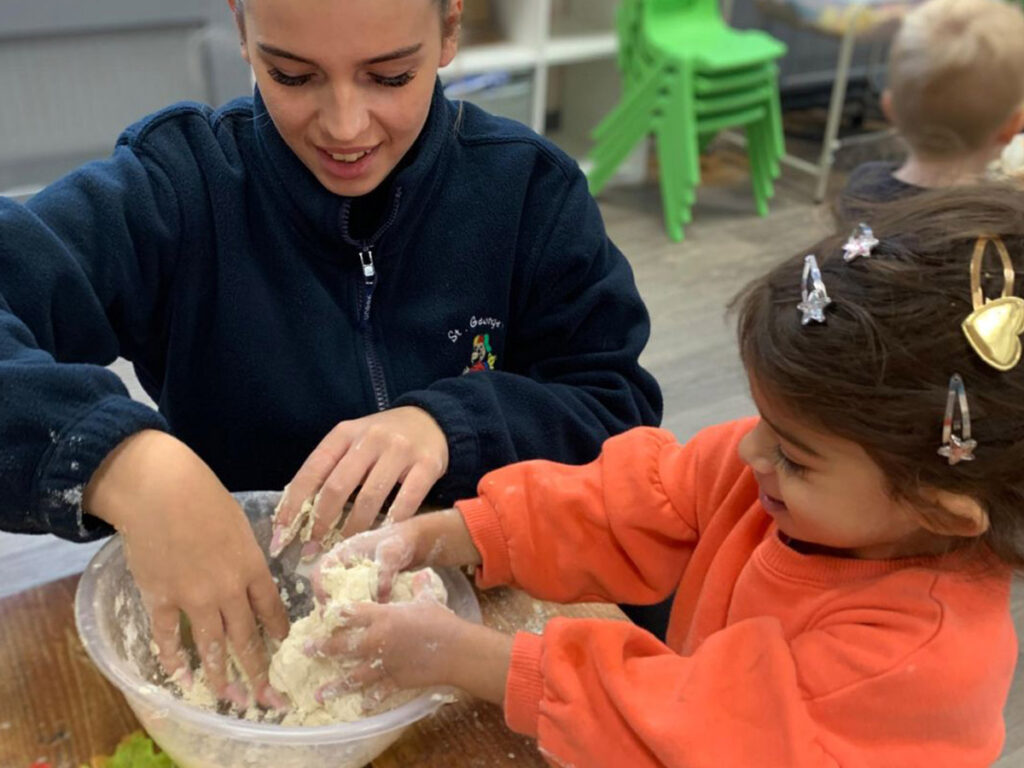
(692, 351)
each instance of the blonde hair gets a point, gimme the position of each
(956, 74)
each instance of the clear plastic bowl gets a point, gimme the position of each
(114, 630)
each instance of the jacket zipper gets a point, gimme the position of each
(366, 250)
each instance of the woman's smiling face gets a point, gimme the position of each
(348, 83)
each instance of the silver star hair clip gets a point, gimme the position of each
(861, 243)
(815, 297)
(957, 447)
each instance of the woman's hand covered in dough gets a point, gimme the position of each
(403, 446)
(190, 548)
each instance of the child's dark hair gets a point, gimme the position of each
(877, 373)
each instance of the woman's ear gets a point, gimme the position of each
(956, 514)
(238, 13)
(450, 31)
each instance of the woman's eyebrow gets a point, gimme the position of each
(399, 53)
(283, 54)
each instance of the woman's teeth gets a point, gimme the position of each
(354, 157)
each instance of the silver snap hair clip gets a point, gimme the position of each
(957, 447)
(815, 297)
(862, 243)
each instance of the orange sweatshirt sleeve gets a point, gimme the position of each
(606, 531)
(608, 694)
(846, 693)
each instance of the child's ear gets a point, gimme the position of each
(957, 514)
(1013, 125)
(887, 105)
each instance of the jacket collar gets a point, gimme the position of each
(319, 212)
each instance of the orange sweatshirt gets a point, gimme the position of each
(773, 658)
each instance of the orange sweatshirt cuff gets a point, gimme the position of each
(489, 539)
(525, 687)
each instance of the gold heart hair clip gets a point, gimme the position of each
(993, 329)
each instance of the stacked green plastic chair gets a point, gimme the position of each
(687, 76)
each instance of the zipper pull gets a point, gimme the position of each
(369, 273)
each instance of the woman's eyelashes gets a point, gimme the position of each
(397, 81)
(292, 81)
(786, 464)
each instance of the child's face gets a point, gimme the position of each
(826, 491)
(348, 83)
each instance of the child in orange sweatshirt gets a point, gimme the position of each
(842, 563)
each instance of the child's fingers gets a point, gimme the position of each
(423, 587)
(354, 679)
(375, 695)
(391, 550)
(393, 554)
(342, 644)
(339, 641)
(353, 550)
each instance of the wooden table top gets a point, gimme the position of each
(56, 707)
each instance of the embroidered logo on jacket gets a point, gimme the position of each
(481, 358)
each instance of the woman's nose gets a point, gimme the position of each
(345, 116)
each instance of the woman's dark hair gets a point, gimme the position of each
(877, 373)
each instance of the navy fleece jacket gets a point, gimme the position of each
(208, 255)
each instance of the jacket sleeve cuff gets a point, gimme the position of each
(525, 687)
(489, 538)
(76, 454)
(464, 460)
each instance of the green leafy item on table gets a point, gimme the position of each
(134, 751)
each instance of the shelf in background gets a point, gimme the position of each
(492, 57)
(569, 49)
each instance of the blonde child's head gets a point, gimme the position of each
(956, 77)
(871, 384)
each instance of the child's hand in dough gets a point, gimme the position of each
(436, 539)
(404, 645)
(393, 548)
(414, 645)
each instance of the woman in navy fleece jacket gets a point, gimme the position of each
(325, 258)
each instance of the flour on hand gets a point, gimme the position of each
(299, 676)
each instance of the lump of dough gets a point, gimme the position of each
(299, 676)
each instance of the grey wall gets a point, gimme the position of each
(75, 73)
